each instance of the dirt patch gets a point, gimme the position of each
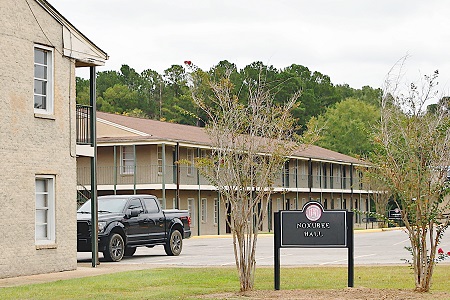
(348, 293)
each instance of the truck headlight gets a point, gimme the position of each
(101, 226)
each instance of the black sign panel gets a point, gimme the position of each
(395, 214)
(312, 227)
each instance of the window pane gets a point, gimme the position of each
(41, 200)
(40, 87)
(40, 56)
(40, 102)
(41, 185)
(41, 232)
(41, 217)
(151, 205)
(40, 71)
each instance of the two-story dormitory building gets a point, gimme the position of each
(139, 156)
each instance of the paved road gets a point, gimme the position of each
(371, 248)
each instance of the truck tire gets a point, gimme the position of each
(115, 248)
(174, 244)
(129, 251)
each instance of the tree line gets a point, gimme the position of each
(343, 113)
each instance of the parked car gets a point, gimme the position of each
(129, 221)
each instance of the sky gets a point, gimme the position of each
(355, 42)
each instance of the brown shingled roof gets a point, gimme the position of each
(158, 130)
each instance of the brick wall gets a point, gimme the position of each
(31, 145)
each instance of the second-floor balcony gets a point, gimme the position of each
(83, 117)
(189, 175)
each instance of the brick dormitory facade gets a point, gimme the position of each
(139, 156)
(40, 51)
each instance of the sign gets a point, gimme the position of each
(313, 227)
(395, 214)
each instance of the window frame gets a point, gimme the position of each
(191, 210)
(159, 158)
(49, 95)
(216, 211)
(50, 210)
(190, 158)
(125, 169)
(203, 210)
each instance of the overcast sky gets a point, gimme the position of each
(352, 41)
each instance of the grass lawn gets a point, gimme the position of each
(182, 283)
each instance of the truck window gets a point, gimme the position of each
(135, 204)
(150, 204)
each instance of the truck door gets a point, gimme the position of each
(155, 218)
(137, 227)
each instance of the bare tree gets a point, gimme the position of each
(250, 143)
(412, 158)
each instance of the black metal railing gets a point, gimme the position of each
(84, 124)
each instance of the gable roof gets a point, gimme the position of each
(75, 44)
(122, 129)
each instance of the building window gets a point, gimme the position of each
(160, 159)
(45, 210)
(127, 160)
(174, 203)
(279, 204)
(216, 211)
(161, 203)
(203, 210)
(43, 80)
(191, 211)
(190, 159)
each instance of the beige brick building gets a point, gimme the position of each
(139, 156)
(40, 50)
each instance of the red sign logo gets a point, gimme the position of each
(313, 212)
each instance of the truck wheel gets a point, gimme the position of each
(174, 244)
(129, 251)
(115, 248)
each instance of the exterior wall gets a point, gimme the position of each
(292, 187)
(32, 145)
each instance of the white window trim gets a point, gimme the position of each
(191, 210)
(216, 211)
(51, 219)
(204, 210)
(159, 158)
(190, 159)
(50, 81)
(124, 169)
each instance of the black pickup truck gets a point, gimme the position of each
(128, 221)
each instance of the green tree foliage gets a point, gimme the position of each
(168, 96)
(346, 127)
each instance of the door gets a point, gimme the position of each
(136, 227)
(156, 221)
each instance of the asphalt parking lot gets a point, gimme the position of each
(371, 248)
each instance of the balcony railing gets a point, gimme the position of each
(83, 113)
(154, 174)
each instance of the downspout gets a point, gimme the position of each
(94, 200)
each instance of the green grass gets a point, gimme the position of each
(182, 283)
